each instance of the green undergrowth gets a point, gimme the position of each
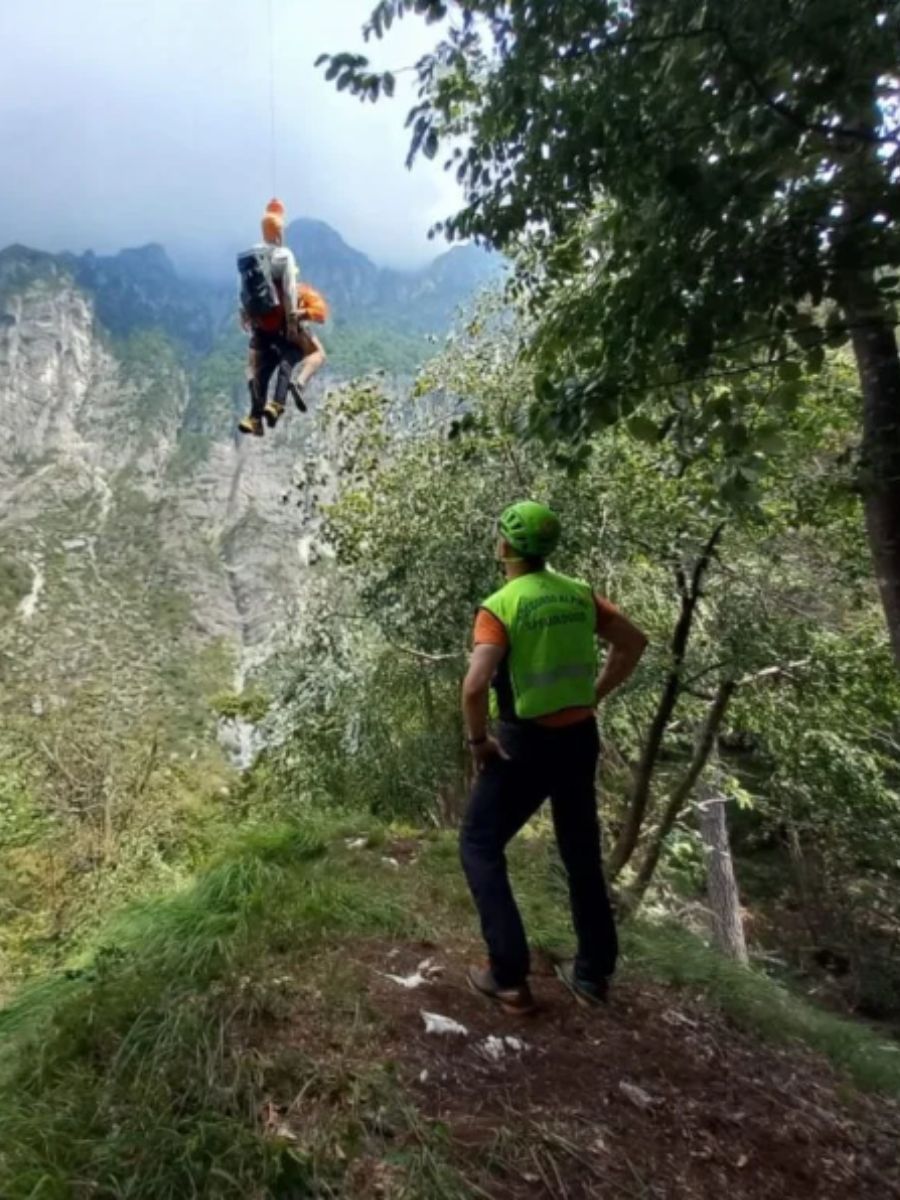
(757, 1003)
(138, 1071)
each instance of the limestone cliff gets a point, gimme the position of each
(145, 548)
(136, 533)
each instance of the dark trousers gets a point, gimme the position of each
(270, 352)
(561, 764)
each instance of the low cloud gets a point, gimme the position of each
(123, 122)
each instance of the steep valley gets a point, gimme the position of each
(142, 541)
(150, 561)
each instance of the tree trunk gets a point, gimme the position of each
(682, 792)
(875, 348)
(724, 902)
(640, 792)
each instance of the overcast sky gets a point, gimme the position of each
(129, 121)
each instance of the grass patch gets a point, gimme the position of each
(134, 1072)
(123, 1071)
(762, 1006)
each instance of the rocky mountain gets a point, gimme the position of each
(144, 547)
(424, 300)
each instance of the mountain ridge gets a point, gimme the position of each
(140, 286)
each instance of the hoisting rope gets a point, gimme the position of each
(273, 143)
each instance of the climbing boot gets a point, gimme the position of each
(589, 993)
(251, 425)
(518, 1001)
(272, 412)
(297, 393)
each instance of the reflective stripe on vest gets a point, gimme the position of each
(544, 679)
(551, 622)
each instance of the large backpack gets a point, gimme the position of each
(260, 297)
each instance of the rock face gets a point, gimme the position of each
(135, 539)
(425, 301)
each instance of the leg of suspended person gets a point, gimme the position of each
(269, 371)
(288, 357)
(313, 358)
(256, 355)
(265, 359)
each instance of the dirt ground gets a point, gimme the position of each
(652, 1097)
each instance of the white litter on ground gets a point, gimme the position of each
(389, 862)
(435, 1023)
(357, 843)
(496, 1048)
(492, 1048)
(424, 973)
(638, 1097)
(672, 1017)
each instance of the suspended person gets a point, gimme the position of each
(269, 290)
(535, 651)
(311, 306)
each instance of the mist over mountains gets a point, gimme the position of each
(140, 287)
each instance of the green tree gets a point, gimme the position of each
(765, 634)
(704, 190)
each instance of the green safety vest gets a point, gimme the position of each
(551, 664)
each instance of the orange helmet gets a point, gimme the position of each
(275, 206)
(272, 227)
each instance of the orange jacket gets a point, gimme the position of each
(312, 304)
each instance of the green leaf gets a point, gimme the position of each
(644, 429)
(769, 440)
(815, 359)
(789, 371)
(787, 395)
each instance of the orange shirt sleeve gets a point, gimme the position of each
(489, 631)
(606, 611)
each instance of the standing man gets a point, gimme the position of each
(535, 647)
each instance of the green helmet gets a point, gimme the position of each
(531, 529)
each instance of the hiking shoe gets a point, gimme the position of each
(588, 992)
(251, 425)
(297, 393)
(515, 1000)
(272, 412)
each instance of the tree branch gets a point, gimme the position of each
(421, 655)
(778, 671)
(702, 750)
(788, 114)
(705, 742)
(640, 794)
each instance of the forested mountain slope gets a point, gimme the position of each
(149, 560)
